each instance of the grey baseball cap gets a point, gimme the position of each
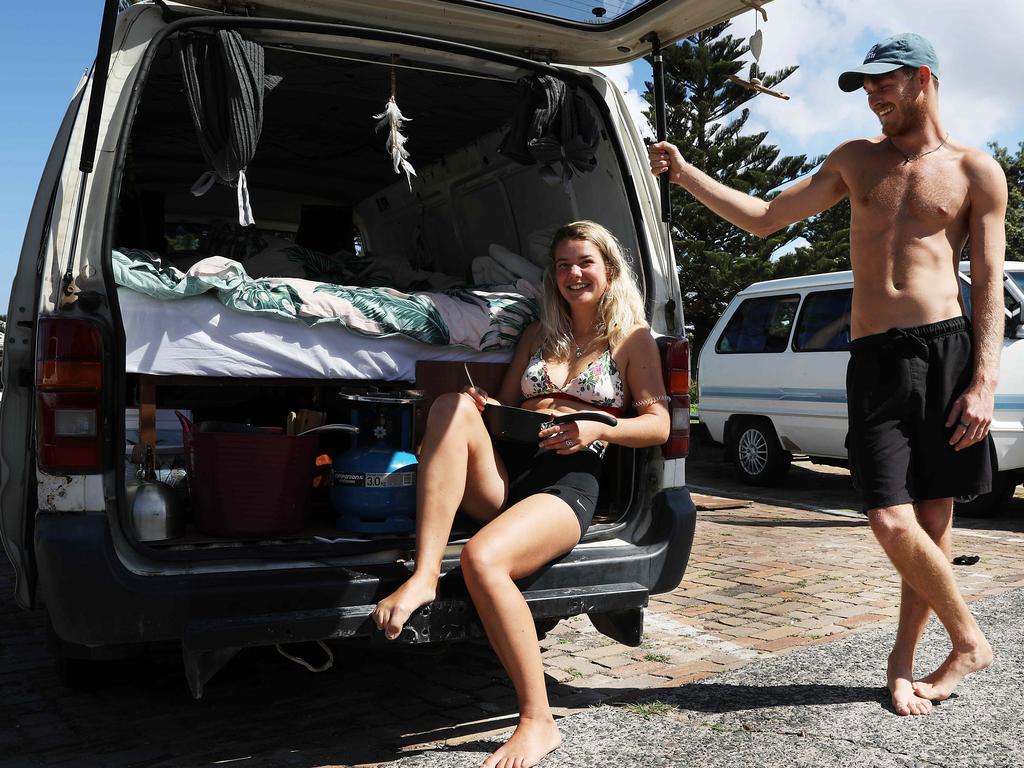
(905, 50)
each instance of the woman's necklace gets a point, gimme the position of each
(907, 159)
(580, 351)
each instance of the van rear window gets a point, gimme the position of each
(761, 324)
(824, 324)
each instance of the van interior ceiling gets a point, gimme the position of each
(318, 145)
(322, 179)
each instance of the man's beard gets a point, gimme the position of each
(913, 114)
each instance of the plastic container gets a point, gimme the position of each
(252, 483)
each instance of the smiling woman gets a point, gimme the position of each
(536, 495)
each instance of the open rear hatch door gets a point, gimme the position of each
(577, 32)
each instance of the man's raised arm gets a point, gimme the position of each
(807, 197)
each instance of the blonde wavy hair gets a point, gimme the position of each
(621, 308)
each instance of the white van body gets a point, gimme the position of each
(772, 378)
(88, 355)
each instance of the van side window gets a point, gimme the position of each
(824, 324)
(760, 325)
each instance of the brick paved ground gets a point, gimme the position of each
(763, 579)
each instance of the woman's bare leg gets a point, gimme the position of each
(524, 538)
(458, 467)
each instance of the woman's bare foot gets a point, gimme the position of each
(531, 741)
(394, 610)
(939, 685)
(904, 700)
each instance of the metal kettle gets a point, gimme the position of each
(156, 510)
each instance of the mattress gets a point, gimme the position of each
(199, 336)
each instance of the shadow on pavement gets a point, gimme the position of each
(723, 697)
(812, 486)
(784, 522)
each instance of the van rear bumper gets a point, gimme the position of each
(93, 600)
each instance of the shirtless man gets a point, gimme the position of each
(920, 391)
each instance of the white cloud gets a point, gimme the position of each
(979, 95)
(620, 75)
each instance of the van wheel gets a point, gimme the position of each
(989, 504)
(757, 455)
(73, 672)
(85, 668)
(544, 626)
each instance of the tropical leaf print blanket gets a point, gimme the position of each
(481, 320)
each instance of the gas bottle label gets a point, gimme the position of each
(375, 479)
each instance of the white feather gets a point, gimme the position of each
(393, 119)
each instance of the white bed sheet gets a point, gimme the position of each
(199, 336)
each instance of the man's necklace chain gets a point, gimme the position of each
(907, 159)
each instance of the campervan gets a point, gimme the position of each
(266, 217)
(772, 379)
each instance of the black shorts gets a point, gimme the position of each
(574, 478)
(900, 387)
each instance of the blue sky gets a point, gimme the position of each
(46, 45)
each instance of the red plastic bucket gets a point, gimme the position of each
(248, 484)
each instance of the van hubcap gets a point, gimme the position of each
(753, 452)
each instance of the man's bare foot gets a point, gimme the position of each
(939, 685)
(531, 741)
(904, 700)
(394, 610)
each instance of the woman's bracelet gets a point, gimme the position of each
(650, 400)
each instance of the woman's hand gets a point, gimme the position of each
(572, 437)
(479, 396)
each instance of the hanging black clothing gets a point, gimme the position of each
(554, 124)
(224, 85)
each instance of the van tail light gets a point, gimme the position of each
(676, 364)
(69, 391)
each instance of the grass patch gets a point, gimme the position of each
(723, 727)
(658, 657)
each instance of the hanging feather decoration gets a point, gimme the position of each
(393, 119)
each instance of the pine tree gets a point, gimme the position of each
(828, 245)
(1013, 167)
(714, 258)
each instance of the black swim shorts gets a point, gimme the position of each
(900, 387)
(574, 477)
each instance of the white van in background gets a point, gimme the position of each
(772, 379)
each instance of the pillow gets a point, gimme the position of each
(283, 258)
(487, 271)
(516, 264)
(232, 241)
(539, 245)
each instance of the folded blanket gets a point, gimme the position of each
(482, 320)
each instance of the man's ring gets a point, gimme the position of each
(965, 424)
(569, 442)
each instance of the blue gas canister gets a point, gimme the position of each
(374, 483)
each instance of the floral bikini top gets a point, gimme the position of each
(598, 385)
